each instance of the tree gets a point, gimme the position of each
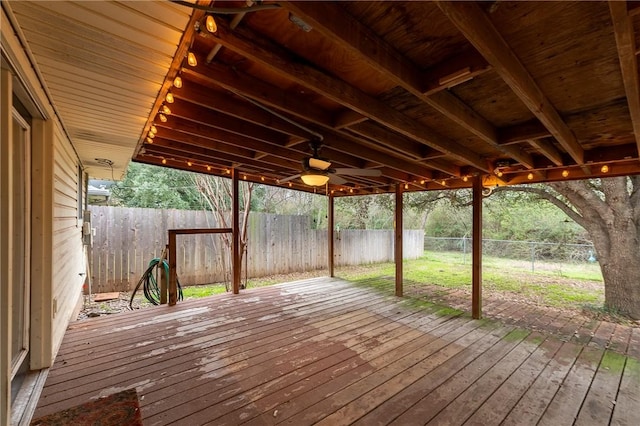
(609, 210)
(156, 187)
(216, 192)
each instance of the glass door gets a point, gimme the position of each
(21, 233)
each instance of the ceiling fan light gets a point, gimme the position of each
(314, 178)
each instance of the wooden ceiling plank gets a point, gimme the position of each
(227, 104)
(220, 76)
(548, 150)
(240, 83)
(474, 24)
(253, 47)
(354, 36)
(332, 22)
(198, 114)
(467, 65)
(390, 141)
(329, 19)
(523, 132)
(170, 147)
(625, 40)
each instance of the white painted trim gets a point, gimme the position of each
(27, 400)
(42, 244)
(6, 195)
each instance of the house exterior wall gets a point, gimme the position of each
(57, 256)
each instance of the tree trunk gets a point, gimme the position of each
(619, 260)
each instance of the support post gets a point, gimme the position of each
(330, 227)
(398, 231)
(476, 267)
(235, 232)
(173, 273)
(164, 284)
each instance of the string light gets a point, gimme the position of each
(166, 110)
(177, 82)
(244, 177)
(499, 173)
(465, 178)
(530, 176)
(604, 169)
(290, 184)
(191, 59)
(565, 173)
(153, 129)
(443, 182)
(211, 25)
(149, 140)
(422, 182)
(162, 117)
(189, 163)
(169, 98)
(164, 161)
(151, 134)
(227, 171)
(208, 168)
(406, 186)
(351, 190)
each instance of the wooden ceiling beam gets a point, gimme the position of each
(161, 143)
(270, 55)
(392, 142)
(453, 71)
(331, 20)
(216, 75)
(237, 82)
(626, 42)
(208, 117)
(345, 156)
(523, 132)
(474, 24)
(231, 105)
(548, 150)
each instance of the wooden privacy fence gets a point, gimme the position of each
(126, 239)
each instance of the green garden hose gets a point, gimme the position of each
(150, 285)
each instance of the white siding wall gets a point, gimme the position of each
(57, 243)
(68, 254)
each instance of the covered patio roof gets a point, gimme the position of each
(429, 94)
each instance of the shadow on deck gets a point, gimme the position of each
(327, 351)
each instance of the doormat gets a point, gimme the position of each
(121, 408)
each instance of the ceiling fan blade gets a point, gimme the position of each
(287, 179)
(336, 180)
(358, 172)
(318, 163)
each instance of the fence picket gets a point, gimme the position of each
(128, 238)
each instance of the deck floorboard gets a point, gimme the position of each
(325, 351)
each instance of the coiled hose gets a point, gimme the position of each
(150, 285)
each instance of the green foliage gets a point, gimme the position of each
(156, 187)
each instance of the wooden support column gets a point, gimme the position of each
(398, 230)
(163, 276)
(235, 232)
(476, 281)
(173, 272)
(330, 227)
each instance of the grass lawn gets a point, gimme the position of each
(551, 284)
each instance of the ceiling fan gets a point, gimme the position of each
(317, 171)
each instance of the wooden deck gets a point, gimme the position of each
(324, 351)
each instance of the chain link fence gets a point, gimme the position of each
(522, 250)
